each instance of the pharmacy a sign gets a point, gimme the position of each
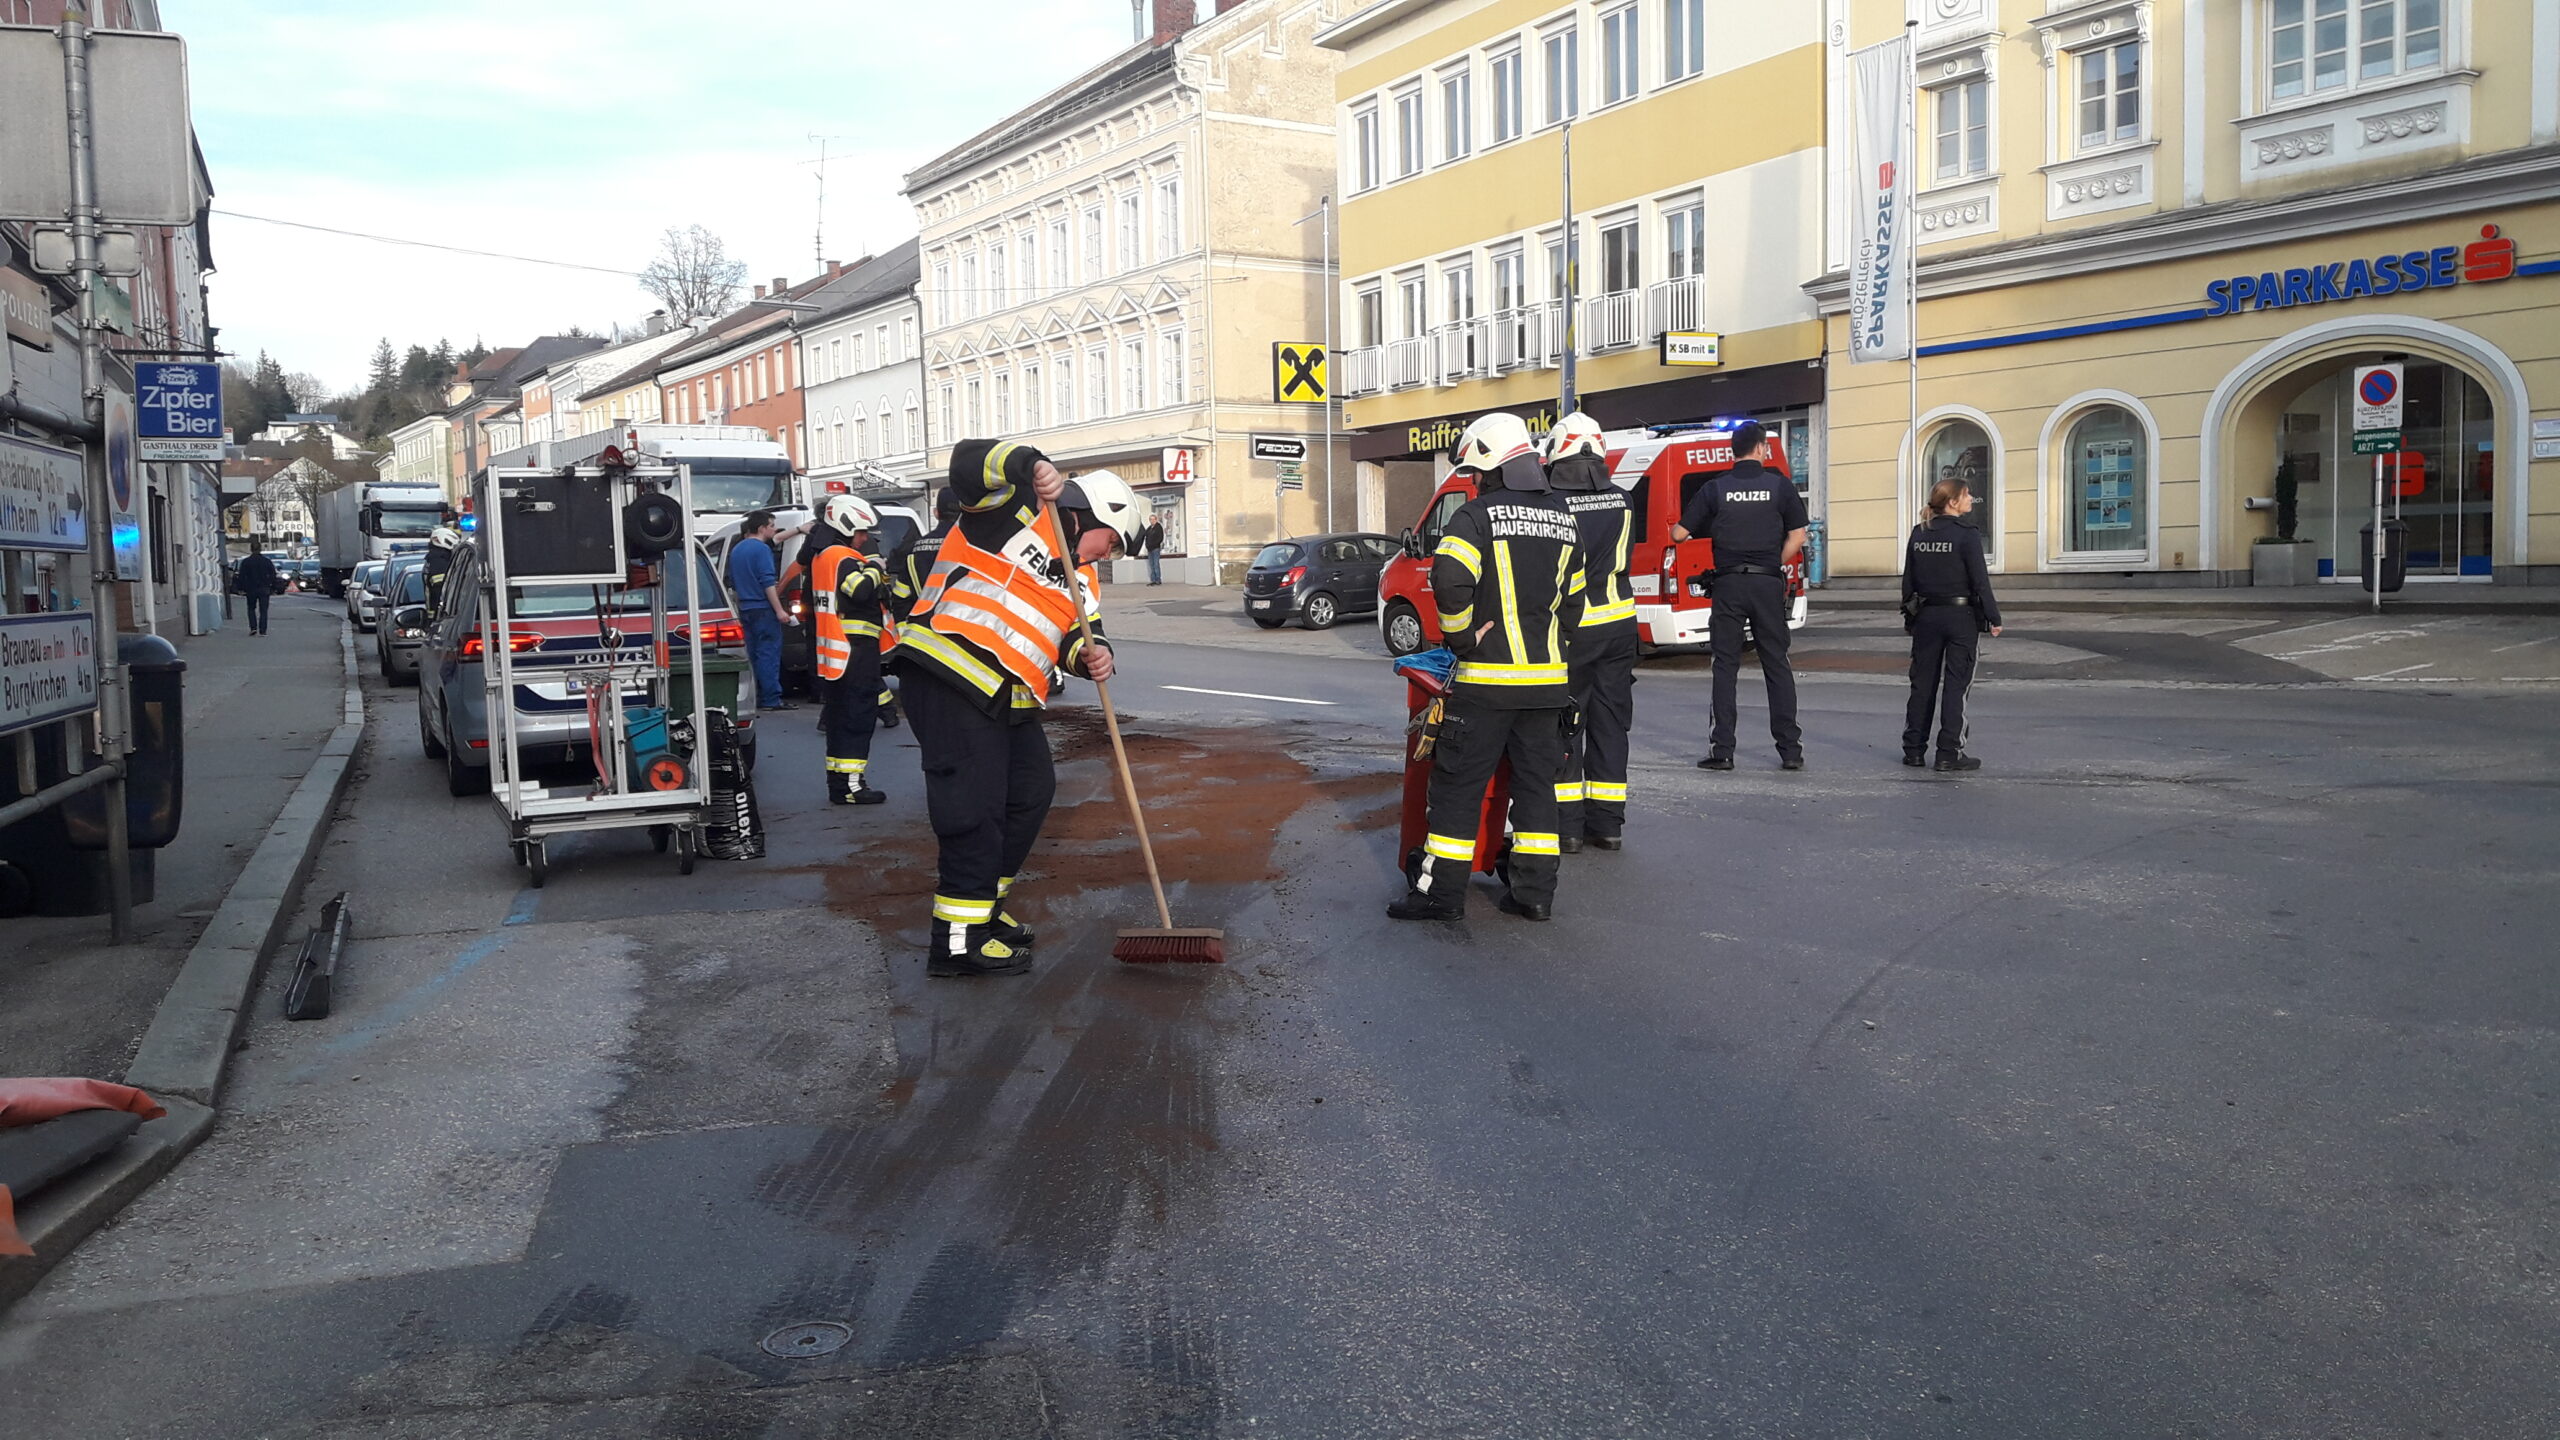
(180, 410)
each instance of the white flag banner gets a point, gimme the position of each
(1880, 202)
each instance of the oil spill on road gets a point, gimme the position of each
(1051, 1137)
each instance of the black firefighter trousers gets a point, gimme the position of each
(851, 710)
(1592, 795)
(1944, 641)
(1759, 601)
(987, 787)
(1474, 738)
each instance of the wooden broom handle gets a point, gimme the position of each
(1110, 719)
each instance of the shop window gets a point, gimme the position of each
(1961, 450)
(2108, 482)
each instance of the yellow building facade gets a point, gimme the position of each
(2157, 238)
(1696, 206)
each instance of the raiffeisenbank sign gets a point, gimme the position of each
(2492, 257)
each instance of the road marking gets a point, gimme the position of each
(1245, 695)
(2403, 670)
(2519, 645)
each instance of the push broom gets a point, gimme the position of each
(1165, 943)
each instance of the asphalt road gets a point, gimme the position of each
(2188, 1072)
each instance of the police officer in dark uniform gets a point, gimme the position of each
(1508, 582)
(1592, 796)
(1947, 606)
(1756, 521)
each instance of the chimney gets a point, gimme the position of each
(657, 323)
(759, 292)
(1226, 5)
(780, 284)
(834, 268)
(1173, 19)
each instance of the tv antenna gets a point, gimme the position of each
(820, 239)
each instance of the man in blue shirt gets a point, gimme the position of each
(754, 577)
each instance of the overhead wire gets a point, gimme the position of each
(426, 244)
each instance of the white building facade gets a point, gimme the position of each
(861, 366)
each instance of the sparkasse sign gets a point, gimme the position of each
(180, 409)
(2490, 258)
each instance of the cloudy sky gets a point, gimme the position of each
(573, 130)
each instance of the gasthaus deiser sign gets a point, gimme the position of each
(180, 411)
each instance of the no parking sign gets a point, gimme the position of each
(2378, 408)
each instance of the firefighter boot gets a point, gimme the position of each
(966, 951)
(889, 714)
(1006, 928)
(852, 788)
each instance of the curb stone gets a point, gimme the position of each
(182, 1055)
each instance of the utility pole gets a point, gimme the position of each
(114, 710)
(1324, 209)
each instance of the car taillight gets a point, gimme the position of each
(1296, 574)
(717, 633)
(517, 644)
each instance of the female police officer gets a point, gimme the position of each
(1946, 605)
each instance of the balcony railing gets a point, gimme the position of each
(1531, 338)
(1408, 362)
(1459, 350)
(1364, 371)
(1676, 305)
(1613, 322)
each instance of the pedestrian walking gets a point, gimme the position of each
(1947, 607)
(1508, 579)
(989, 643)
(257, 578)
(1756, 523)
(755, 577)
(1592, 794)
(1152, 541)
(849, 589)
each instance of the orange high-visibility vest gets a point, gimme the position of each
(835, 633)
(1011, 607)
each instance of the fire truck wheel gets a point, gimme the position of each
(1403, 630)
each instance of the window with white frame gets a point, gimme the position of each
(880, 345)
(1556, 262)
(1030, 397)
(1097, 382)
(1004, 402)
(2109, 94)
(1130, 238)
(1684, 39)
(1413, 306)
(1962, 124)
(1065, 382)
(1457, 113)
(942, 414)
(975, 393)
(1621, 249)
(820, 451)
(1364, 149)
(1684, 241)
(1502, 78)
(888, 429)
(906, 336)
(912, 437)
(862, 433)
(835, 352)
(998, 278)
(1026, 251)
(1168, 217)
(1133, 374)
(1510, 279)
(1408, 131)
(1621, 76)
(2319, 46)
(1370, 304)
(1561, 51)
(1093, 252)
(1173, 382)
(943, 309)
(1458, 288)
(1058, 270)
(969, 294)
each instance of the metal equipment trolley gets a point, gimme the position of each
(611, 529)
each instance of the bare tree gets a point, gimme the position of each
(693, 274)
(308, 393)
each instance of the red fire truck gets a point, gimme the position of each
(1660, 467)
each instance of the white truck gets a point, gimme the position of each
(736, 468)
(373, 520)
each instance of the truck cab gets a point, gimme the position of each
(1660, 467)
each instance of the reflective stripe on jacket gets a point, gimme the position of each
(1516, 561)
(844, 589)
(1000, 617)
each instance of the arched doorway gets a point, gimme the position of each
(2440, 483)
(1960, 448)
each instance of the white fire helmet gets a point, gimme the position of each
(1493, 439)
(1111, 501)
(1576, 434)
(445, 537)
(850, 514)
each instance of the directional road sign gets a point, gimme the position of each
(1297, 373)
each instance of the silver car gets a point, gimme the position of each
(364, 594)
(395, 646)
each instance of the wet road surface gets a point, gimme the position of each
(2190, 1072)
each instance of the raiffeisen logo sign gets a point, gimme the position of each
(2490, 258)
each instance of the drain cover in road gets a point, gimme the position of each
(808, 1338)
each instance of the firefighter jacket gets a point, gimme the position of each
(996, 615)
(915, 566)
(850, 592)
(1513, 559)
(1608, 527)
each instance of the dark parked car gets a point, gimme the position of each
(1316, 579)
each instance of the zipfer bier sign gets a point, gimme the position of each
(48, 669)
